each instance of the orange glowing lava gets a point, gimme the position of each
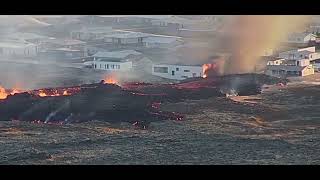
(42, 94)
(65, 93)
(3, 93)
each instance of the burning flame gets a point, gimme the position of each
(206, 68)
(110, 80)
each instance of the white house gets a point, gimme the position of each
(18, 49)
(161, 41)
(301, 38)
(177, 72)
(92, 33)
(114, 60)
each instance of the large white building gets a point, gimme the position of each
(115, 60)
(17, 49)
(177, 72)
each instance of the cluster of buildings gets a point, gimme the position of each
(297, 62)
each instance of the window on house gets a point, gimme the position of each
(274, 71)
(177, 69)
(172, 73)
(186, 70)
(100, 66)
(95, 66)
(107, 66)
(194, 74)
(112, 66)
(160, 69)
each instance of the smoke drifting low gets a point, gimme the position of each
(248, 37)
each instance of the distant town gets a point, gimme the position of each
(146, 44)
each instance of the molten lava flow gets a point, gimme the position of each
(42, 93)
(3, 93)
(206, 68)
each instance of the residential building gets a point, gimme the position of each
(115, 60)
(176, 71)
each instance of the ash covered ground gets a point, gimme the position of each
(279, 126)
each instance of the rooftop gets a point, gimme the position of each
(116, 54)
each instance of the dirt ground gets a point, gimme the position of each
(280, 126)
